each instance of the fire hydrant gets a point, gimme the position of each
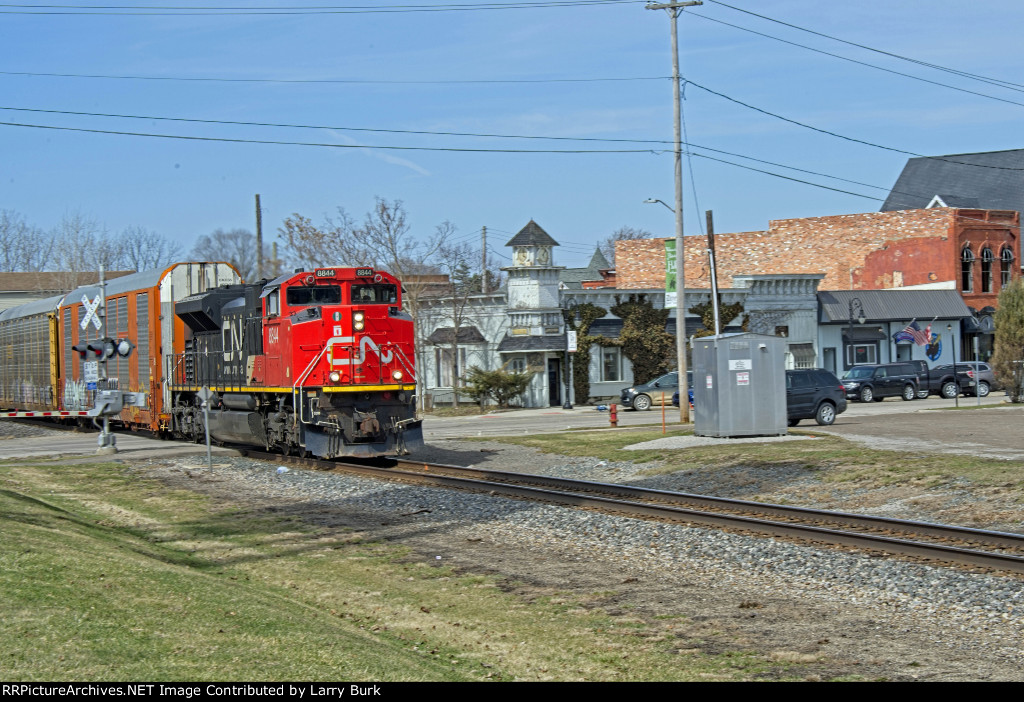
(614, 416)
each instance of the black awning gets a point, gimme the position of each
(863, 334)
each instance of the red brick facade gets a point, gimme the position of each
(870, 251)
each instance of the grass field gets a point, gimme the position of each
(107, 576)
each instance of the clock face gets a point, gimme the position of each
(523, 257)
(543, 255)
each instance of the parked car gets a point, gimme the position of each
(643, 397)
(675, 397)
(881, 380)
(811, 393)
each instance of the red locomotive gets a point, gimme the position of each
(315, 362)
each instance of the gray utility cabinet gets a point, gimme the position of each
(739, 385)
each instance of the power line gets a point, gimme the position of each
(964, 74)
(333, 146)
(859, 63)
(185, 11)
(841, 136)
(327, 127)
(337, 81)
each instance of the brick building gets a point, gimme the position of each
(971, 251)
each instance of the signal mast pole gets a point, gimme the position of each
(106, 440)
(674, 9)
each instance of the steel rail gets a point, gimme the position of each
(486, 481)
(942, 531)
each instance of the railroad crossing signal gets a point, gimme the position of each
(90, 312)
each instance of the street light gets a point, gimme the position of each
(569, 315)
(684, 407)
(855, 305)
(956, 378)
(651, 201)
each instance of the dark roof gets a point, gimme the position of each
(467, 335)
(892, 305)
(519, 344)
(532, 235)
(859, 333)
(598, 261)
(993, 180)
(574, 278)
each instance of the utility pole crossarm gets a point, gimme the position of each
(672, 5)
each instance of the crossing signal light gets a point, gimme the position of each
(103, 348)
(124, 347)
(82, 350)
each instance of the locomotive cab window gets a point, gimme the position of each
(376, 294)
(274, 304)
(314, 295)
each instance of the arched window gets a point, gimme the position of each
(1006, 266)
(966, 270)
(986, 269)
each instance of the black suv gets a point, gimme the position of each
(813, 393)
(881, 380)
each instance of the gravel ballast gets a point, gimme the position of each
(908, 620)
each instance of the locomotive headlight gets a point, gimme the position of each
(397, 375)
(358, 321)
(335, 377)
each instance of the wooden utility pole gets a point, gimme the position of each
(483, 255)
(674, 9)
(714, 269)
(259, 239)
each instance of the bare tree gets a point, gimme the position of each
(607, 245)
(23, 247)
(334, 243)
(236, 246)
(79, 240)
(142, 250)
(463, 284)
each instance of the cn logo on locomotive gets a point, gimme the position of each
(364, 343)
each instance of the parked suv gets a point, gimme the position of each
(642, 397)
(813, 393)
(881, 380)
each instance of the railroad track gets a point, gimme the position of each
(935, 543)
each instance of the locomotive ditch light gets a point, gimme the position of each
(397, 375)
(335, 377)
(124, 347)
(358, 321)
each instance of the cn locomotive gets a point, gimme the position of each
(313, 362)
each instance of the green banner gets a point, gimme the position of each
(670, 273)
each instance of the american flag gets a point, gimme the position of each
(920, 337)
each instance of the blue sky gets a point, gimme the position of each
(185, 189)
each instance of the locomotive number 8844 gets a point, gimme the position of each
(317, 362)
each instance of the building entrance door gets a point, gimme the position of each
(554, 382)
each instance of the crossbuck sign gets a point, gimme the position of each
(90, 312)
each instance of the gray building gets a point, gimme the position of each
(522, 328)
